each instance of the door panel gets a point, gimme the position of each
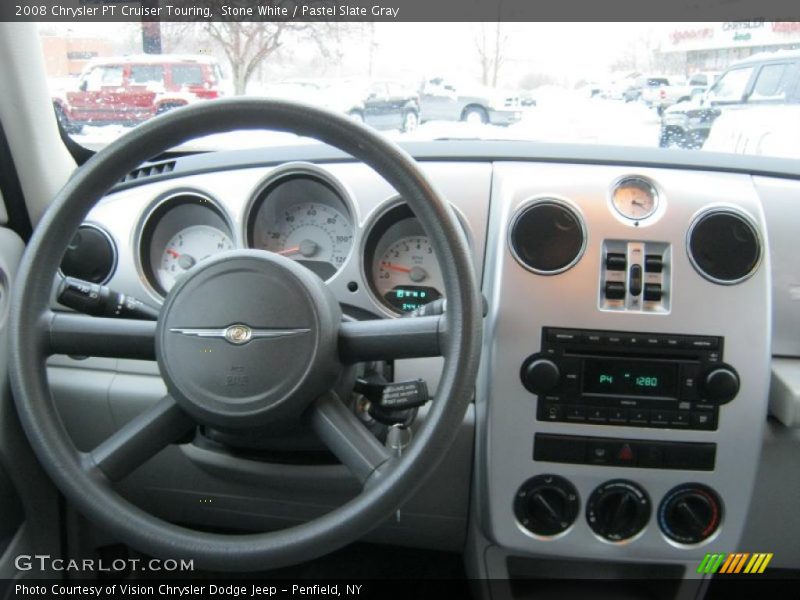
(28, 501)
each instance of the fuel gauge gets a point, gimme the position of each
(635, 198)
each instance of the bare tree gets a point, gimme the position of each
(246, 45)
(489, 43)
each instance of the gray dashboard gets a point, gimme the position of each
(473, 493)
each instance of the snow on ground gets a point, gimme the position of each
(558, 117)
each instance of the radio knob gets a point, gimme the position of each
(721, 385)
(540, 375)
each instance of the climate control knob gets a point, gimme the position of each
(690, 513)
(618, 510)
(721, 384)
(546, 505)
(540, 375)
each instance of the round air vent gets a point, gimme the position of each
(91, 255)
(724, 246)
(547, 237)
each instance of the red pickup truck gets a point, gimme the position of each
(132, 89)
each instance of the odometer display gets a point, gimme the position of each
(410, 297)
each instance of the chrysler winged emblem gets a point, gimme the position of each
(239, 333)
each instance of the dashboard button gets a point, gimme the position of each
(618, 416)
(639, 416)
(600, 452)
(680, 419)
(698, 457)
(653, 263)
(615, 290)
(597, 415)
(552, 412)
(559, 448)
(635, 280)
(616, 261)
(651, 456)
(576, 413)
(652, 292)
(660, 418)
(703, 420)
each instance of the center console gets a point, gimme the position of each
(623, 393)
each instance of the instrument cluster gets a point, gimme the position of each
(305, 215)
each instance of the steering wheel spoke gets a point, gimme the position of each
(343, 434)
(83, 335)
(140, 439)
(387, 339)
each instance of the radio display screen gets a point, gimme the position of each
(630, 378)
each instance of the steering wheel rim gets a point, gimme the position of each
(33, 339)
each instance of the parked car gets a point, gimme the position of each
(384, 105)
(644, 87)
(761, 80)
(129, 90)
(760, 130)
(446, 101)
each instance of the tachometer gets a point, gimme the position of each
(187, 248)
(400, 265)
(407, 274)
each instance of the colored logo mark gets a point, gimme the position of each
(739, 562)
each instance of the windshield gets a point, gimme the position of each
(726, 87)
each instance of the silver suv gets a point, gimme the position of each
(762, 79)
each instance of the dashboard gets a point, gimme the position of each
(634, 308)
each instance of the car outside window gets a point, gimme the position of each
(731, 87)
(144, 74)
(187, 75)
(771, 83)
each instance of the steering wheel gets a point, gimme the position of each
(247, 338)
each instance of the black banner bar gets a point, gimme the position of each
(397, 10)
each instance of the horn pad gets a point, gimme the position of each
(247, 338)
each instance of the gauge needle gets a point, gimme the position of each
(306, 248)
(173, 253)
(394, 267)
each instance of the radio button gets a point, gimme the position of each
(639, 416)
(704, 343)
(576, 413)
(618, 416)
(704, 420)
(613, 339)
(660, 418)
(592, 338)
(673, 342)
(597, 415)
(680, 419)
(551, 412)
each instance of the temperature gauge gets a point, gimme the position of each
(635, 198)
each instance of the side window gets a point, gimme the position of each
(376, 90)
(100, 77)
(187, 75)
(732, 85)
(771, 82)
(144, 74)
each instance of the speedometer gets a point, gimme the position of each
(302, 215)
(316, 235)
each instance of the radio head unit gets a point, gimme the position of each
(624, 378)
